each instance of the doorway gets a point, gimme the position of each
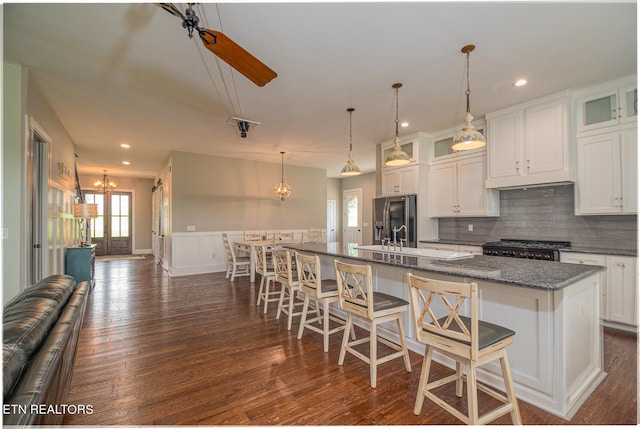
(37, 200)
(352, 214)
(331, 221)
(111, 230)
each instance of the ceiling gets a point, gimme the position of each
(128, 73)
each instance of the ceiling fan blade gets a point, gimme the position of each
(238, 58)
(171, 8)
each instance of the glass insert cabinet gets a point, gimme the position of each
(614, 107)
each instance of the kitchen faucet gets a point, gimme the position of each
(395, 233)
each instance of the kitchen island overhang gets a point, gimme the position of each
(554, 308)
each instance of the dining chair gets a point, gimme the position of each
(236, 265)
(287, 276)
(467, 340)
(266, 269)
(283, 238)
(312, 236)
(358, 299)
(323, 291)
(252, 236)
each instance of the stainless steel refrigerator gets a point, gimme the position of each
(393, 212)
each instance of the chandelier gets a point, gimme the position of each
(468, 138)
(105, 185)
(282, 190)
(351, 168)
(397, 156)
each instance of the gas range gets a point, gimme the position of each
(530, 249)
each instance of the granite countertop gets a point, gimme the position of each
(577, 249)
(509, 271)
(601, 251)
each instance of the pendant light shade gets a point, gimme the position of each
(468, 138)
(397, 155)
(351, 168)
(282, 190)
(105, 185)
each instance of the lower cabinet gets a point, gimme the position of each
(619, 286)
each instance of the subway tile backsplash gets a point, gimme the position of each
(544, 213)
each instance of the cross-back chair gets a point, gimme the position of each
(358, 299)
(236, 265)
(266, 269)
(323, 291)
(287, 276)
(437, 307)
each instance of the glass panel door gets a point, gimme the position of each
(111, 230)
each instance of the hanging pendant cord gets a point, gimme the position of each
(282, 177)
(350, 137)
(397, 102)
(468, 91)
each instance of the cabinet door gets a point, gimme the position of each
(503, 147)
(408, 180)
(629, 104)
(598, 185)
(621, 290)
(546, 138)
(389, 182)
(442, 190)
(629, 160)
(472, 195)
(598, 111)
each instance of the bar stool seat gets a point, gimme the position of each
(467, 340)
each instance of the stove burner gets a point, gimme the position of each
(531, 249)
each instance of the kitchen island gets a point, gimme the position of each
(554, 308)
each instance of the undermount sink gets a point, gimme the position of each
(412, 251)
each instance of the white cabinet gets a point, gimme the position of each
(607, 108)
(607, 173)
(476, 250)
(456, 188)
(619, 286)
(622, 290)
(400, 181)
(413, 145)
(529, 144)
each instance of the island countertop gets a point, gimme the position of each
(509, 271)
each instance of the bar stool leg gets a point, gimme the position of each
(459, 379)
(373, 355)
(424, 380)
(345, 339)
(303, 318)
(510, 389)
(472, 394)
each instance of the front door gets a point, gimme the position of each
(352, 208)
(111, 230)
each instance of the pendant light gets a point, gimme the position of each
(105, 185)
(351, 168)
(397, 155)
(468, 138)
(282, 190)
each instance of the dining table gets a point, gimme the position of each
(249, 246)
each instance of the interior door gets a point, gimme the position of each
(111, 230)
(352, 213)
(331, 221)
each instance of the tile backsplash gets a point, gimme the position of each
(544, 213)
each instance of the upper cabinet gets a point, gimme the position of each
(611, 107)
(414, 145)
(607, 148)
(456, 188)
(405, 179)
(529, 144)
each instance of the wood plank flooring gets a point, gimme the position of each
(196, 350)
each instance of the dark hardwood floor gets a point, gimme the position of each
(196, 350)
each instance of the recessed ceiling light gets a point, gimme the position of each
(404, 124)
(125, 145)
(126, 162)
(520, 82)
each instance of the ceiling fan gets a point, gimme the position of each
(223, 47)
